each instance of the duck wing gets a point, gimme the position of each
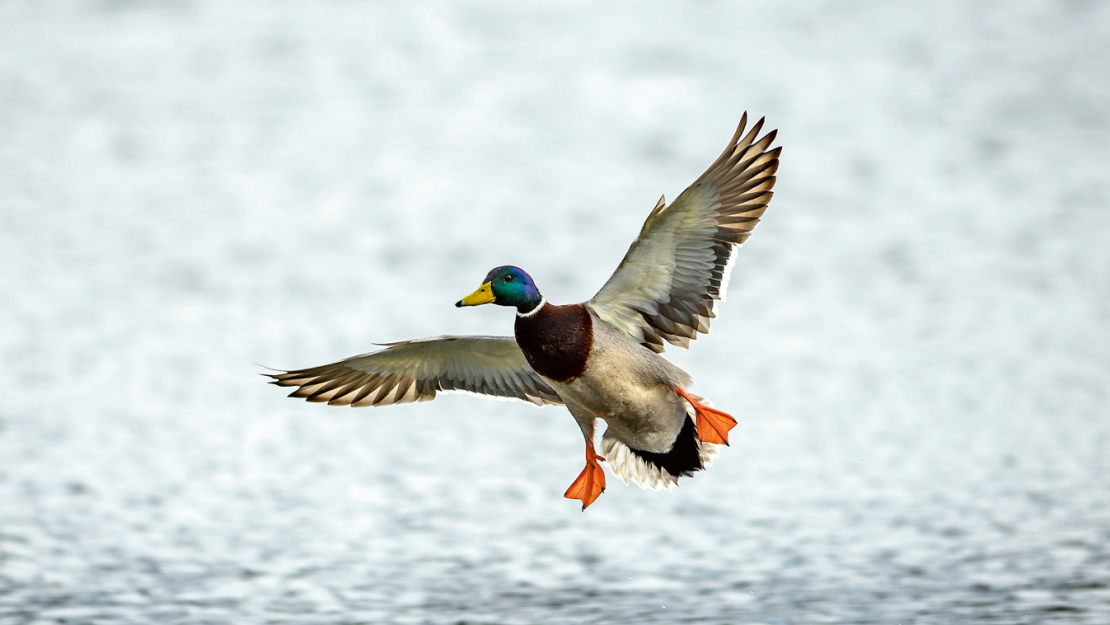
(416, 370)
(667, 285)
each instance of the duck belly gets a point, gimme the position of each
(632, 389)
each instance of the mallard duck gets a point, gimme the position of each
(600, 358)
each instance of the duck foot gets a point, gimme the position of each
(590, 482)
(713, 425)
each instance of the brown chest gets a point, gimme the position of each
(556, 340)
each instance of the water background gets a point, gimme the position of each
(916, 341)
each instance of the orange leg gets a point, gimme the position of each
(713, 425)
(591, 481)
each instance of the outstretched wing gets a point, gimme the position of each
(667, 285)
(416, 370)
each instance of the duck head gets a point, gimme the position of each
(506, 286)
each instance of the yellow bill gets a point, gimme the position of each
(484, 295)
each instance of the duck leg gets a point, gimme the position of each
(713, 425)
(591, 481)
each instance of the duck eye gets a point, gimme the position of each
(508, 278)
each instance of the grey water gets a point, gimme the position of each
(916, 341)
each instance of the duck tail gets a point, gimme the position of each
(658, 470)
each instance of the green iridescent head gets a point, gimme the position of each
(506, 286)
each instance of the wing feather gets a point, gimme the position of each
(416, 370)
(667, 285)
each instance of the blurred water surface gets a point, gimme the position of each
(916, 344)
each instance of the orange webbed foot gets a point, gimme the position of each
(590, 483)
(713, 425)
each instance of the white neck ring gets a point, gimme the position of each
(543, 302)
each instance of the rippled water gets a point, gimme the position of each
(916, 344)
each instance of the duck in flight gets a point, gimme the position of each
(600, 358)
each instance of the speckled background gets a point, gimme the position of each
(916, 342)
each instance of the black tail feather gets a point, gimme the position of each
(684, 458)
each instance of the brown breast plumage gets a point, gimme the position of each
(556, 340)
